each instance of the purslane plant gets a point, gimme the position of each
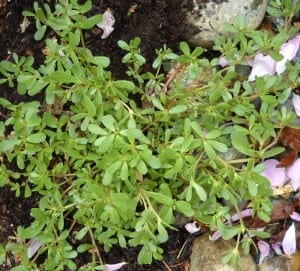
(109, 171)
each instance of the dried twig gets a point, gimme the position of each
(172, 76)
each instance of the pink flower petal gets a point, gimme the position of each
(262, 65)
(289, 51)
(113, 267)
(264, 249)
(192, 227)
(243, 213)
(216, 235)
(295, 216)
(293, 172)
(223, 62)
(107, 24)
(277, 248)
(276, 176)
(289, 241)
(296, 104)
(33, 246)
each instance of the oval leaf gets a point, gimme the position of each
(36, 138)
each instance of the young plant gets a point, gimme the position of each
(109, 171)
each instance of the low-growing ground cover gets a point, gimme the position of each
(106, 161)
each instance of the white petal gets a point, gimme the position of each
(262, 65)
(216, 235)
(106, 32)
(289, 241)
(293, 172)
(289, 51)
(277, 248)
(281, 66)
(296, 104)
(33, 247)
(107, 23)
(223, 62)
(192, 227)
(113, 267)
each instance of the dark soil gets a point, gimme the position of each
(157, 23)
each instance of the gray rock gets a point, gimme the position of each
(205, 19)
(276, 264)
(207, 256)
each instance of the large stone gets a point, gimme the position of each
(276, 264)
(205, 19)
(207, 256)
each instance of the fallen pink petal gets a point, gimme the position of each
(295, 216)
(264, 249)
(243, 213)
(192, 227)
(293, 173)
(276, 176)
(277, 248)
(289, 51)
(223, 62)
(296, 104)
(216, 235)
(262, 65)
(107, 24)
(33, 246)
(289, 245)
(113, 267)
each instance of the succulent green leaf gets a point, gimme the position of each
(36, 138)
(200, 191)
(160, 198)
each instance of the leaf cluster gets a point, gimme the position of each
(121, 172)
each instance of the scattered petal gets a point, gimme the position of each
(113, 267)
(295, 216)
(296, 104)
(24, 24)
(289, 51)
(243, 213)
(264, 249)
(276, 176)
(262, 65)
(293, 173)
(266, 65)
(107, 24)
(192, 227)
(277, 248)
(289, 241)
(223, 62)
(33, 247)
(250, 62)
(217, 235)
